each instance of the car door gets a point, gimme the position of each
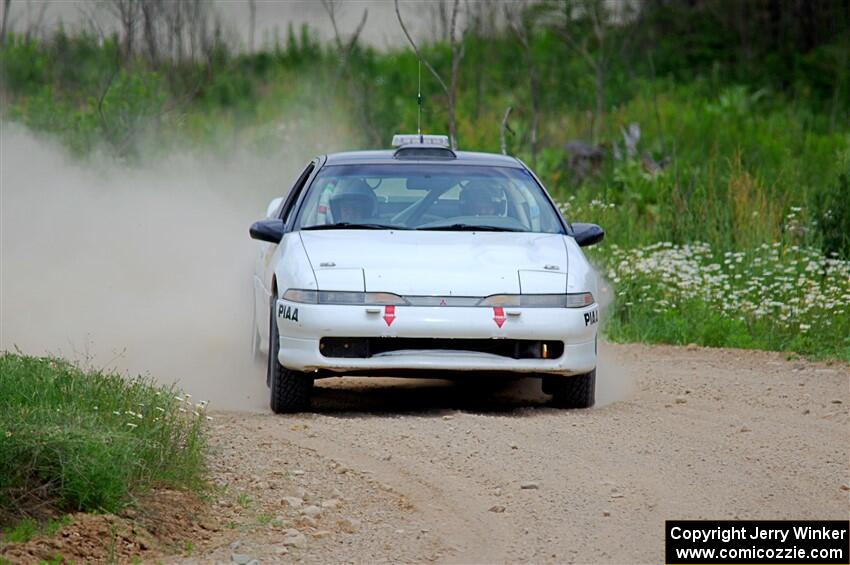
(268, 255)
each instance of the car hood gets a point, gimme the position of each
(412, 263)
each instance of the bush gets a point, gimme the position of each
(833, 212)
(775, 297)
(87, 440)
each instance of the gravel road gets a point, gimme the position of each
(404, 470)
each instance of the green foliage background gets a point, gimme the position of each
(753, 122)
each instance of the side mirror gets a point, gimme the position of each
(587, 234)
(267, 230)
(273, 206)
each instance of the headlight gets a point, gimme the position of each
(578, 300)
(303, 296)
(384, 298)
(500, 300)
(379, 298)
(342, 297)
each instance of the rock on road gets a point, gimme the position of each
(395, 470)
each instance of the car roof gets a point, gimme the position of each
(387, 157)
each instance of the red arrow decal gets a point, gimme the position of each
(499, 315)
(389, 314)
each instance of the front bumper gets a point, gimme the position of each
(301, 327)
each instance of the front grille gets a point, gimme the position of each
(365, 347)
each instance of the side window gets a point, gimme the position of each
(292, 197)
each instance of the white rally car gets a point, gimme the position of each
(423, 261)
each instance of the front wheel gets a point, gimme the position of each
(290, 390)
(572, 392)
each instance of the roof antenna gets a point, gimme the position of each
(419, 103)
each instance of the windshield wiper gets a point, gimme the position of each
(467, 227)
(354, 226)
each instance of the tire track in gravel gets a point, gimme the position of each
(458, 523)
(705, 433)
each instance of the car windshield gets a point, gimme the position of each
(427, 197)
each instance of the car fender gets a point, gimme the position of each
(581, 277)
(290, 269)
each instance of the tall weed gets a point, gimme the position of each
(87, 440)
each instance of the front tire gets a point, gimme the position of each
(290, 390)
(572, 392)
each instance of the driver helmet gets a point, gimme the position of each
(352, 200)
(482, 197)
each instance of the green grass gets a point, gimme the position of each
(28, 528)
(763, 239)
(775, 297)
(244, 500)
(77, 440)
(265, 519)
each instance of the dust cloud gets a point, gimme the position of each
(146, 269)
(615, 380)
(143, 269)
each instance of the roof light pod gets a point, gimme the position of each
(423, 147)
(400, 139)
(424, 153)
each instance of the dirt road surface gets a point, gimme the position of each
(419, 471)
